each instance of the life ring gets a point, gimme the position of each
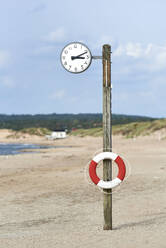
(107, 184)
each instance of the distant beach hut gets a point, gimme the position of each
(57, 134)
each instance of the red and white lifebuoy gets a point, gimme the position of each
(107, 184)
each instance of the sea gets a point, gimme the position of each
(13, 148)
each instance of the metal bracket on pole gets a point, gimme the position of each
(97, 57)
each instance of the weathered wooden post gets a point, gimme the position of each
(79, 52)
(107, 135)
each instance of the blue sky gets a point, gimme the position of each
(33, 33)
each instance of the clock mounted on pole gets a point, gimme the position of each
(76, 57)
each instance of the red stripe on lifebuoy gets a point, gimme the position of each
(122, 168)
(92, 172)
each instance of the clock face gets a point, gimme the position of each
(76, 57)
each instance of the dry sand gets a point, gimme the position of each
(46, 200)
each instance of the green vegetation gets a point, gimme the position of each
(30, 131)
(95, 132)
(63, 121)
(36, 131)
(80, 124)
(128, 130)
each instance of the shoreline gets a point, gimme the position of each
(21, 148)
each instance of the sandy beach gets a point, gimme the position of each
(46, 200)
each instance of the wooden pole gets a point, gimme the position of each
(107, 135)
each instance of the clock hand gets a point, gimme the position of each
(81, 54)
(76, 57)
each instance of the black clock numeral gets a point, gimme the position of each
(66, 52)
(69, 67)
(70, 48)
(75, 45)
(85, 63)
(75, 69)
(82, 67)
(65, 63)
(86, 50)
(63, 57)
(87, 56)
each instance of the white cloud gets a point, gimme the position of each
(134, 50)
(7, 82)
(4, 58)
(55, 36)
(149, 49)
(151, 57)
(119, 51)
(58, 95)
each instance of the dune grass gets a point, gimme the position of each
(128, 130)
(95, 132)
(36, 131)
(30, 131)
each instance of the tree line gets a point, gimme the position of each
(63, 121)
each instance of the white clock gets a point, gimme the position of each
(76, 57)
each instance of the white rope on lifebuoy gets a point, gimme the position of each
(107, 184)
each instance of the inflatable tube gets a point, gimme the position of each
(107, 184)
